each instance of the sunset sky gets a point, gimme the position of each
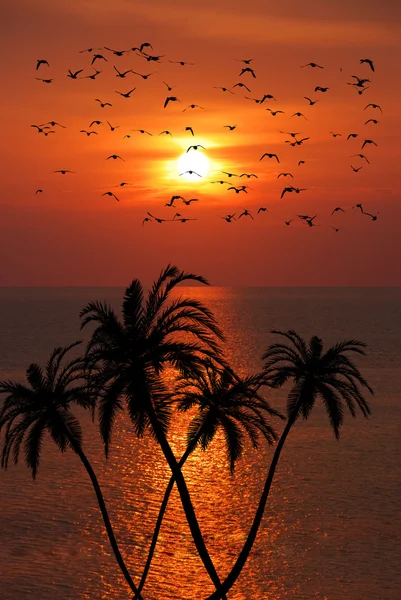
(72, 235)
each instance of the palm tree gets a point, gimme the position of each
(44, 405)
(223, 401)
(127, 358)
(331, 376)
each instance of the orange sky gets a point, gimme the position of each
(71, 235)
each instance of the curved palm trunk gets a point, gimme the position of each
(243, 556)
(159, 521)
(113, 542)
(185, 500)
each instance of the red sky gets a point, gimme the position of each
(72, 235)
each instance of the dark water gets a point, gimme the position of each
(332, 528)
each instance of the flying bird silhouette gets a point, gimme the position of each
(126, 94)
(313, 65)
(41, 61)
(74, 75)
(102, 104)
(368, 142)
(373, 106)
(248, 70)
(193, 106)
(269, 155)
(170, 99)
(114, 157)
(111, 194)
(195, 147)
(368, 61)
(338, 208)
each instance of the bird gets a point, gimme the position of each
(98, 57)
(44, 80)
(123, 183)
(221, 182)
(231, 127)
(368, 61)
(262, 209)
(102, 104)
(223, 89)
(190, 172)
(338, 208)
(116, 52)
(313, 65)
(145, 76)
(53, 124)
(122, 74)
(169, 87)
(298, 190)
(237, 189)
(245, 213)
(248, 175)
(41, 61)
(352, 135)
(185, 220)
(374, 121)
(335, 134)
(267, 97)
(193, 106)
(112, 128)
(166, 132)
(126, 94)
(175, 198)
(156, 218)
(171, 202)
(299, 114)
(150, 58)
(142, 131)
(310, 222)
(242, 85)
(39, 192)
(88, 133)
(257, 100)
(189, 129)
(146, 220)
(358, 206)
(275, 112)
(94, 75)
(41, 128)
(361, 156)
(284, 175)
(170, 99)
(288, 222)
(144, 45)
(270, 155)
(311, 102)
(181, 62)
(246, 61)
(355, 169)
(95, 123)
(361, 90)
(248, 70)
(111, 194)
(46, 133)
(229, 174)
(63, 171)
(177, 215)
(75, 74)
(368, 142)
(373, 217)
(301, 162)
(188, 202)
(293, 134)
(336, 229)
(195, 147)
(359, 82)
(285, 190)
(114, 157)
(319, 88)
(373, 106)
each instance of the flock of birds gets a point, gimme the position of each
(247, 73)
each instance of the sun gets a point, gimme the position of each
(195, 161)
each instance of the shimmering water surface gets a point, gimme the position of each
(332, 528)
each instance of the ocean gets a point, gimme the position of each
(332, 525)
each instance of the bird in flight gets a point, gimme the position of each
(373, 106)
(181, 62)
(94, 75)
(95, 123)
(41, 129)
(102, 104)
(126, 94)
(299, 114)
(338, 208)
(189, 129)
(229, 174)
(248, 70)
(301, 162)
(88, 133)
(123, 183)
(228, 218)
(75, 74)
(41, 61)
(142, 131)
(230, 127)
(368, 61)
(190, 173)
(286, 190)
(248, 175)
(335, 134)
(156, 219)
(169, 87)
(166, 132)
(352, 135)
(246, 61)
(368, 142)
(284, 175)
(275, 112)
(319, 88)
(170, 99)
(313, 65)
(220, 181)
(293, 134)
(223, 89)
(188, 202)
(311, 102)
(111, 194)
(336, 229)
(374, 121)
(98, 57)
(193, 106)
(361, 156)
(114, 157)
(150, 58)
(64, 171)
(116, 52)
(358, 206)
(38, 192)
(112, 128)
(44, 80)
(288, 222)
(237, 190)
(242, 85)
(146, 76)
(355, 169)
(262, 209)
(269, 155)
(373, 217)
(122, 74)
(195, 147)
(245, 213)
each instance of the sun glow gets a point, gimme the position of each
(194, 161)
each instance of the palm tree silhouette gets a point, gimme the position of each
(223, 401)
(126, 359)
(332, 376)
(44, 405)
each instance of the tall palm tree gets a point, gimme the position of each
(225, 402)
(331, 376)
(128, 356)
(44, 406)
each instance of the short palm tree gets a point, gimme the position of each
(126, 358)
(331, 376)
(44, 406)
(225, 402)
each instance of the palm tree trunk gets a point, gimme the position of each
(185, 500)
(160, 517)
(103, 509)
(243, 556)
